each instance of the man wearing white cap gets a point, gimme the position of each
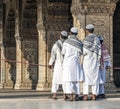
(56, 61)
(72, 71)
(91, 62)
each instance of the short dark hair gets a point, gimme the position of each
(101, 41)
(63, 37)
(74, 33)
(90, 30)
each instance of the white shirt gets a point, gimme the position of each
(56, 57)
(72, 70)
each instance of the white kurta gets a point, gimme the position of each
(91, 64)
(56, 57)
(72, 71)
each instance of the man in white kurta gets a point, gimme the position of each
(56, 60)
(104, 64)
(91, 62)
(72, 71)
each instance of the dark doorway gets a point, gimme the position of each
(116, 45)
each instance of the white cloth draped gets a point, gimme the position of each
(91, 64)
(72, 70)
(57, 57)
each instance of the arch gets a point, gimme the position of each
(10, 50)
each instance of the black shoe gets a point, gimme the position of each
(77, 98)
(103, 96)
(81, 98)
(98, 96)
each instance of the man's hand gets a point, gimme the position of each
(50, 66)
(107, 67)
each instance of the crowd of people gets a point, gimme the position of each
(75, 61)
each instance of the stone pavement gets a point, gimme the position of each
(30, 99)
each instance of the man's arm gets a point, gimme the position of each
(53, 57)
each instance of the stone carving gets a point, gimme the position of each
(101, 24)
(58, 20)
(10, 29)
(113, 1)
(100, 9)
(30, 60)
(29, 20)
(10, 65)
(99, 1)
(79, 9)
(93, 7)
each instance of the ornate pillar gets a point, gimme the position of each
(79, 17)
(42, 46)
(18, 47)
(2, 62)
(100, 13)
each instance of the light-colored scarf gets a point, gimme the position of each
(75, 42)
(91, 44)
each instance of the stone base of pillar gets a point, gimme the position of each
(1, 86)
(43, 86)
(8, 85)
(17, 86)
(110, 87)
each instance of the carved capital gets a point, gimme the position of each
(107, 9)
(1, 44)
(99, 1)
(40, 26)
(89, 7)
(41, 31)
(18, 37)
(113, 1)
(78, 8)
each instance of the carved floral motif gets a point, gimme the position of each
(93, 7)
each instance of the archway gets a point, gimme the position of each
(58, 18)
(10, 51)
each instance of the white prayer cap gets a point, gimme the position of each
(90, 26)
(74, 30)
(64, 33)
(100, 38)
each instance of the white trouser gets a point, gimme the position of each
(55, 87)
(101, 89)
(72, 87)
(95, 89)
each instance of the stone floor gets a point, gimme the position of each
(29, 99)
(58, 104)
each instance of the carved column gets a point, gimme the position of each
(100, 13)
(79, 17)
(18, 48)
(2, 62)
(42, 47)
